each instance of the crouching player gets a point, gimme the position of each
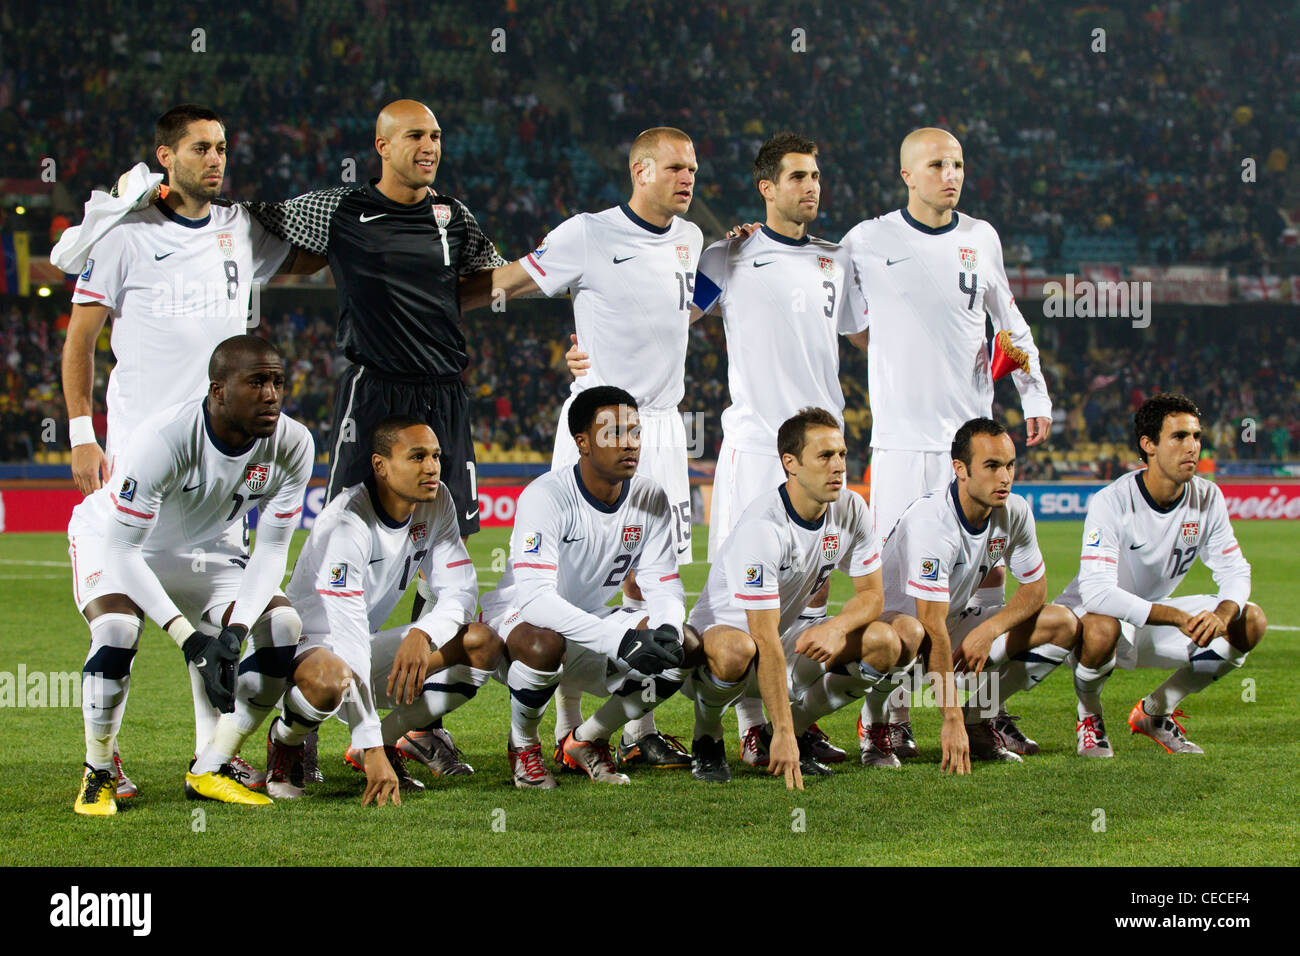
(156, 543)
(780, 553)
(940, 550)
(578, 533)
(364, 550)
(1140, 537)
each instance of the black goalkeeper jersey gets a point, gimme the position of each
(397, 268)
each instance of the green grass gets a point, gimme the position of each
(1234, 806)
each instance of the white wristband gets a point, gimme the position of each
(180, 630)
(81, 431)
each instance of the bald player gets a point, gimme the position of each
(631, 272)
(929, 275)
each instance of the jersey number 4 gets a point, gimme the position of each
(971, 290)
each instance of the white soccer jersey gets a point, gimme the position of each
(631, 284)
(784, 301)
(1136, 553)
(775, 560)
(569, 554)
(177, 288)
(927, 291)
(935, 554)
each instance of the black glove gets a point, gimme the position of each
(215, 658)
(652, 651)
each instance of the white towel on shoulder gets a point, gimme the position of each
(103, 212)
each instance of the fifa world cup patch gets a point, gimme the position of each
(533, 543)
(631, 537)
(256, 477)
(996, 547)
(1093, 538)
(541, 250)
(442, 215)
(754, 576)
(930, 569)
(90, 267)
(969, 258)
(226, 243)
(339, 576)
(1190, 531)
(830, 546)
(419, 532)
(127, 491)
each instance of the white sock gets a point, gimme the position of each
(300, 718)
(1207, 665)
(634, 730)
(225, 743)
(749, 713)
(711, 698)
(875, 702)
(1023, 672)
(833, 691)
(443, 692)
(568, 711)
(1088, 682)
(106, 682)
(530, 691)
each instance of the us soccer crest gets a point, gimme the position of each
(419, 532)
(996, 547)
(256, 477)
(339, 576)
(684, 256)
(442, 215)
(826, 264)
(631, 537)
(1191, 530)
(830, 546)
(92, 579)
(226, 243)
(969, 258)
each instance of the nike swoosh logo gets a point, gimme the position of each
(1134, 547)
(785, 567)
(376, 560)
(471, 515)
(617, 260)
(633, 649)
(569, 540)
(759, 265)
(958, 564)
(201, 662)
(892, 262)
(192, 487)
(159, 258)
(365, 218)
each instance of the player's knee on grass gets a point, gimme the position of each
(1248, 630)
(323, 678)
(1100, 634)
(482, 646)
(539, 647)
(881, 647)
(729, 653)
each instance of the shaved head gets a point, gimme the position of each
(932, 166)
(239, 353)
(402, 114)
(920, 142)
(408, 140)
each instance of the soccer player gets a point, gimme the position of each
(154, 543)
(939, 551)
(364, 550)
(751, 620)
(929, 275)
(177, 278)
(785, 297)
(578, 533)
(1140, 537)
(631, 272)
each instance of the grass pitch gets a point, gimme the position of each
(1234, 806)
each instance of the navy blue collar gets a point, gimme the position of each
(596, 502)
(1146, 495)
(657, 230)
(217, 443)
(796, 518)
(388, 520)
(785, 240)
(929, 230)
(180, 220)
(961, 515)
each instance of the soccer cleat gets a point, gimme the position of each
(876, 748)
(356, 759)
(95, 798)
(437, 751)
(901, 742)
(1092, 737)
(709, 760)
(658, 750)
(311, 759)
(125, 788)
(285, 779)
(247, 774)
(809, 765)
(592, 757)
(527, 768)
(1164, 729)
(820, 746)
(987, 744)
(1012, 738)
(223, 786)
(752, 750)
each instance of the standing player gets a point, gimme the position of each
(154, 544)
(929, 275)
(177, 277)
(365, 548)
(782, 551)
(578, 533)
(631, 271)
(939, 551)
(1140, 537)
(785, 297)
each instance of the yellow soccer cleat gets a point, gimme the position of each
(96, 796)
(221, 785)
